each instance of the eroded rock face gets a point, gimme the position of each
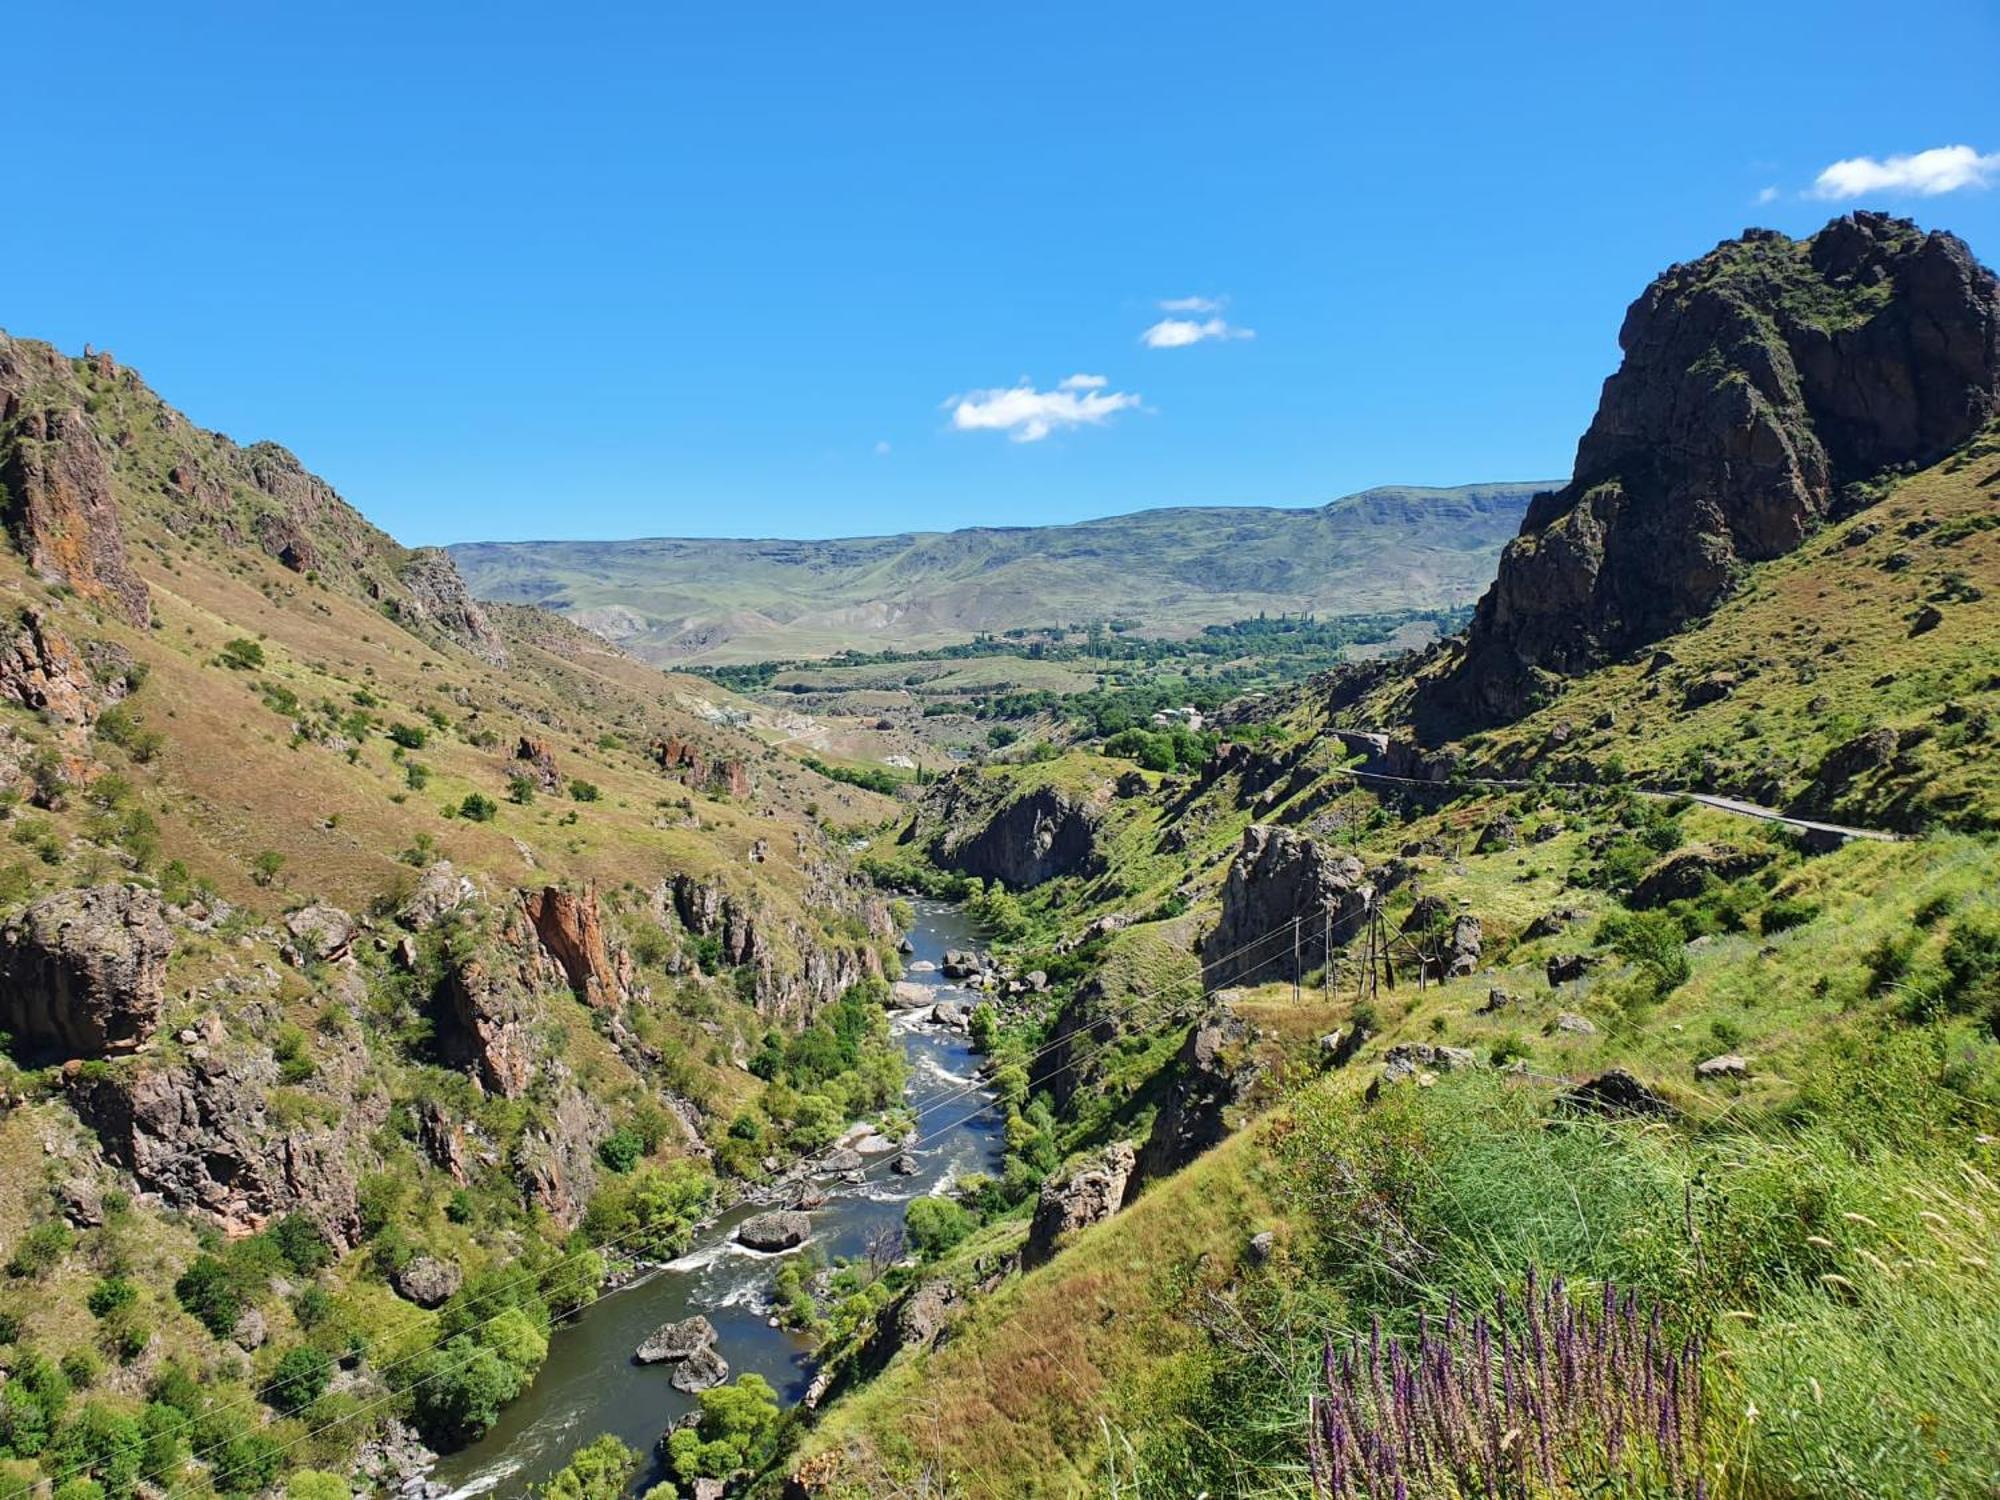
(541, 762)
(1033, 839)
(1757, 381)
(1089, 1192)
(56, 496)
(42, 670)
(556, 1159)
(571, 926)
(83, 973)
(203, 1135)
(1212, 1073)
(698, 770)
(1279, 875)
(1684, 873)
(439, 598)
(1449, 941)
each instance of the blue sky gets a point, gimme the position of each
(504, 271)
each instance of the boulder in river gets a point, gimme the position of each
(904, 1165)
(841, 1159)
(905, 994)
(700, 1370)
(676, 1341)
(781, 1229)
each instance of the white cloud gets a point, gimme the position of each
(1027, 415)
(1942, 169)
(1178, 333)
(882, 448)
(1193, 304)
(1767, 195)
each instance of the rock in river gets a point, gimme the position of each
(781, 1229)
(677, 1341)
(700, 1370)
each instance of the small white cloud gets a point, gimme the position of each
(1942, 169)
(1027, 415)
(1178, 333)
(1193, 304)
(1767, 195)
(882, 448)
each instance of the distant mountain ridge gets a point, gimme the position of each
(686, 599)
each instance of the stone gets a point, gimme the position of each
(949, 1013)
(1574, 1024)
(571, 927)
(781, 1229)
(1497, 1001)
(251, 1332)
(439, 892)
(905, 994)
(435, 595)
(1450, 942)
(841, 1159)
(83, 973)
(905, 1165)
(1685, 873)
(1728, 1065)
(1262, 1246)
(540, 758)
(59, 502)
(427, 1280)
(1408, 1060)
(81, 1202)
(1567, 968)
(1089, 1192)
(1616, 1092)
(700, 1371)
(1502, 833)
(676, 1341)
(318, 933)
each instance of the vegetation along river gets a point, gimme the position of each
(590, 1383)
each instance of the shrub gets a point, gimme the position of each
(41, 1249)
(110, 1294)
(738, 1425)
(242, 655)
(584, 791)
(621, 1150)
(265, 866)
(457, 1390)
(416, 775)
(934, 1225)
(477, 808)
(521, 790)
(315, 1484)
(1653, 943)
(409, 736)
(300, 1241)
(300, 1378)
(1786, 913)
(209, 1292)
(104, 1444)
(598, 1471)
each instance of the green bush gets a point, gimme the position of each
(242, 654)
(621, 1150)
(208, 1290)
(597, 1471)
(409, 736)
(110, 1294)
(737, 1430)
(41, 1249)
(934, 1225)
(478, 808)
(584, 791)
(299, 1379)
(103, 1444)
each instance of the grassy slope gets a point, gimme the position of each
(747, 601)
(1029, 1398)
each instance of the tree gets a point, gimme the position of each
(621, 1150)
(457, 1390)
(935, 1225)
(477, 808)
(316, 1484)
(738, 1423)
(102, 1443)
(599, 1471)
(299, 1380)
(584, 791)
(209, 1292)
(265, 867)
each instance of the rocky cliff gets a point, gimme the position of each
(1761, 386)
(1036, 837)
(1279, 877)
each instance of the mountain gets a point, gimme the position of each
(1765, 387)
(670, 600)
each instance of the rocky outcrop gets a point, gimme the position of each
(556, 1158)
(1212, 1074)
(318, 933)
(55, 489)
(798, 969)
(1685, 873)
(571, 926)
(209, 1136)
(488, 1013)
(40, 669)
(676, 1341)
(698, 770)
(1037, 837)
(436, 596)
(540, 761)
(1280, 875)
(782, 1229)
(83, 973)
(700, 1371)
(439, 892)
(1757, 382)
(1087, 1193)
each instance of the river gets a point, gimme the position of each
(590, 1384)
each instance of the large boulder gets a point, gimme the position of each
(1090, 1191)
(676, 1341)
(1280, 876)
(83, 973)
(1757, 383)
(1449, 941)
(700, 1371)
(427, 1281)
(781, 1229)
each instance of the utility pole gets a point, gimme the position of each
(1295, 959)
